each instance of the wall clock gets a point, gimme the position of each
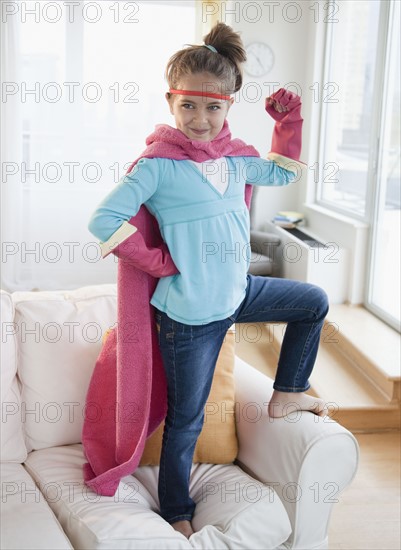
(260, 59)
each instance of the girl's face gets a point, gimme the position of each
(200, 118)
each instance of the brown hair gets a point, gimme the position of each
(225, 64)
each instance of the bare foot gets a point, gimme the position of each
(283, 404)
(184, 527)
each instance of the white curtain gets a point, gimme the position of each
(11, 156)
(82, 88)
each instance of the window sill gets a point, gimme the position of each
(335, 215)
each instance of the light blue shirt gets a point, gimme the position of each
(207, 232)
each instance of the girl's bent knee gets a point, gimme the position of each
(321, 300)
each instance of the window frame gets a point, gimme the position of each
(374, 190)
(377, 196)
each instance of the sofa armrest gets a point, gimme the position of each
(265, 237)
(265, 243)
(264, 248)
(306, 458)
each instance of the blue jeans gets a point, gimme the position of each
(190, 354)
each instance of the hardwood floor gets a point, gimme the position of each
(367, 516)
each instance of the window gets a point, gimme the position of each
(360, 138)
(83, 86)
(384, 285)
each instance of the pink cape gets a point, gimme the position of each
(127, 396)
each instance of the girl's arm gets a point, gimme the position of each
(124, 201)
(285, 108)
(109, 222)
(283, 164)
(275, 172)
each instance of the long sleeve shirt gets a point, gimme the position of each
(206, 231)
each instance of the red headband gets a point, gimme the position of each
(203, 94)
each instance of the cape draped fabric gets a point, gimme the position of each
(127, 395)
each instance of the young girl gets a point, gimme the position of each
(197, 197)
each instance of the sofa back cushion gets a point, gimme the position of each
(13, 447)
(59, 337)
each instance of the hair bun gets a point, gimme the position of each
(228, 43)
(221, 55)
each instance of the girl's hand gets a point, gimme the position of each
(276, 105)
(155, 261)
(283, 106)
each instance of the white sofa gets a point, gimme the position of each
(279, 494)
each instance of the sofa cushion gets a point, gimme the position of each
(26, 519)
(233, 510)
(59, 335)
(217, 443)
(91, 521)
(13, 447)
(59, 338)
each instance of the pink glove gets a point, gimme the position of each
(287, 133)
(155, 261)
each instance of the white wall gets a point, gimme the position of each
(269, 22)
